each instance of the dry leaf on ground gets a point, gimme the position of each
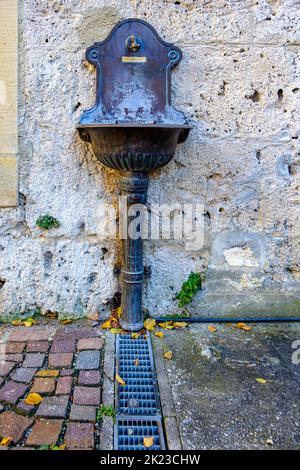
(106, 325)
(260, 380)
(168, 355)
(116, 331)
(148, 441)
(168, 325)
(212, 328)
(135, 335)
(120, 380)
(149, 324)
(29, 322)
(159, 334)
(47, 373)
(33, 399)
(119, 312)
(180, 324)
(5, 441)
(61, 447)
(243, 326)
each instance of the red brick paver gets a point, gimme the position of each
(86, 395)
(13, 425)
(11, 357)
(43, 386)
(6, 368)
(89, 343)
(45, 432)
(12, 348)
(63, 366)
(80, 435)
(64, 385)
(89, 377)
(63, 346)
(60, 360)
(37, 346)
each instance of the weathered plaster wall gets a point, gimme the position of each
(239, 85)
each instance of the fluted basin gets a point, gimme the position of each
(134, 147)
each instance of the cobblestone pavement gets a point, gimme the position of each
(64, 365)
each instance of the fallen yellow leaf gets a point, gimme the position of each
(115, 331)
(29, 322)
(180, 324)
(168, 355)
(149, 324)
(106, 325)
(6, 441)
(159, 334)
(33, 399)
(148, 441)
(260, 380)
(66, 322)
(168, 325)
(61, 447)
(135, 335)
(47, 373)
(136, 362)
(243, 326)
(16, 322)
(119, 312)
(212, 328)
(120, 380)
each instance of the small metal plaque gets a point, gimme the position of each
(134, 60)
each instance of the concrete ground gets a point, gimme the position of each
(70, 367)
(209, 392)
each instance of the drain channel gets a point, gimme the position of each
(137, 403)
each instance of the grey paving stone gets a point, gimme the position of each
(88, 360)
(55, 407)
(34, 360)
(24, 374)
(12, 391)
(89, 377)
(6, 368)
(83, 413)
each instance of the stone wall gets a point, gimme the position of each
(239, 85)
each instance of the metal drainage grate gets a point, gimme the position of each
(131, 433)
(137, 403)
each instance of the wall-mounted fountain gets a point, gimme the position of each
(133, 128)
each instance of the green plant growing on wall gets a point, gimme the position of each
(46, 222)
(189, 289)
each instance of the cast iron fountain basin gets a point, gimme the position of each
(134, 147)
